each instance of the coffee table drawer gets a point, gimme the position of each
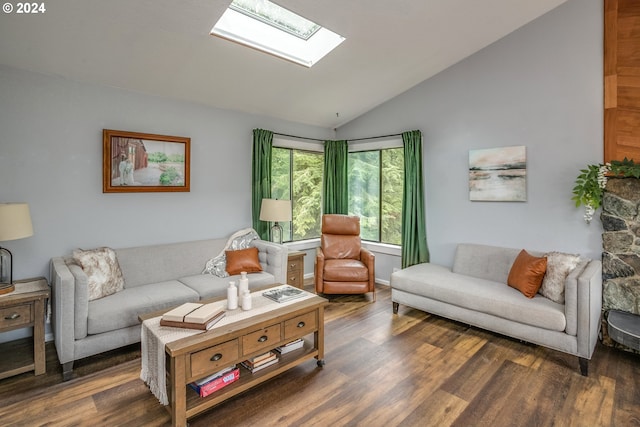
(15, 316)
(266, 338)
(207, 361)
(300, 325)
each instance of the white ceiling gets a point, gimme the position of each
(163, 47)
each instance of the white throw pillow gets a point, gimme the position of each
(102, 269)
(559, 265)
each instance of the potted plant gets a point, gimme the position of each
(591, 182)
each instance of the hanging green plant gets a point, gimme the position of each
(591, 182)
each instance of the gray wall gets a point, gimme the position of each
(51, 157)
(540, 86)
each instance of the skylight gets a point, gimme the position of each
(264, 25)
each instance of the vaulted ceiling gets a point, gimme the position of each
(163, 47)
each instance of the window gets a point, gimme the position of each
(297, 175)
(376, 180)
(270, 28)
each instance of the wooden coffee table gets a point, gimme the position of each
(200, 355)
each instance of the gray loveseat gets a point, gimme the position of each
(155, 277)
(474, 291)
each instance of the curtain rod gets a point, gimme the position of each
(375, 137)
(323, 140)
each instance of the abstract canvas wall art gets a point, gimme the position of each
(498, 174)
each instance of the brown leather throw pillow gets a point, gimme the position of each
(526, 273)
(243, 260)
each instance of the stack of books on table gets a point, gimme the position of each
(261, 361)
(293, 345)
(215, 382)
(193, 315)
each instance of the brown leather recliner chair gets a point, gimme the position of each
(342, 266)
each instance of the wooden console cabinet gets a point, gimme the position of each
(295, 269)
(22, 308)
(197, 356)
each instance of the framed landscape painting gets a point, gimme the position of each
(141, 162)
(498, 174)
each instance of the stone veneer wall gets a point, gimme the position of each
(621, 249)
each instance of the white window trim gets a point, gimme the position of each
(303, 245)
(364, 145)
(297, 144)
(376, 144)
(381, 248)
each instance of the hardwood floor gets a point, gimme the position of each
(413, 369)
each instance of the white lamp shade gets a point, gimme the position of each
(275, 210)
(15, 221)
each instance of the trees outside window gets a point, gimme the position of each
(376, 179)
(375, 193)
(297, 175)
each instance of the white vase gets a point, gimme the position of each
(243, 285)
(246, 301)
(232, 296)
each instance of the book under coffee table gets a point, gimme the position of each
(269, 325)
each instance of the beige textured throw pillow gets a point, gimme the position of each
(102, 270)
(559, 265)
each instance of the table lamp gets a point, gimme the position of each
(15, 223)
(275, 210)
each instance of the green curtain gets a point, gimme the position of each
(334, 191)
(414, 231)
(261, 178)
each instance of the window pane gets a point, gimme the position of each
(277, 16)
(392, 183)
(307, 194)
(364, 192)
(281, 182)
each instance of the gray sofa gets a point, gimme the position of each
(155, 277)
(474, 291)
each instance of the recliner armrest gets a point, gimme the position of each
(318, 268)
(369, 259)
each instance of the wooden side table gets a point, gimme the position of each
(22, 308)
(295, 269)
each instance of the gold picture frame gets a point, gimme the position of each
(134, 162)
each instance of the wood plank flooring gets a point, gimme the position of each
(413, 369)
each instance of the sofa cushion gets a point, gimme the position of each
(121, 310)
(101, 267)
(243, 260)
(209, 286)
(526, 273)
(158, 263)
(439, 283)
(485, 262)
(559, 265)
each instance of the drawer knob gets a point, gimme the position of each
(300, 325)
(292, 265)
(14, 316)
(292, 279)
(263, 338)
(216, 357)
